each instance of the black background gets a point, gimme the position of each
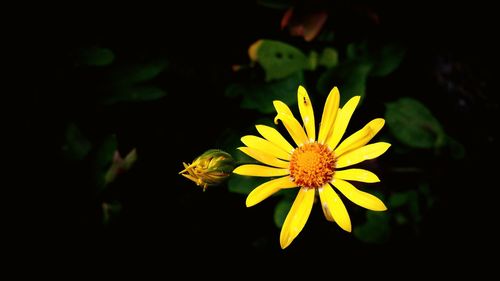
(164, 215)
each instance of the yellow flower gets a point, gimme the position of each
(210, 168)
(316, 164)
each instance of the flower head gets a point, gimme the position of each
(210, 168)
(316, 163)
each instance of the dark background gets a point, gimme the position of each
(165, 216)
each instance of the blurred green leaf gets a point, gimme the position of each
(110, 210)
(376, 228)
(398, 199)
(120, 165)
(408, 198)
(425, 190)
(281, 210)
(326, 36)
(139, 73)
(387, 60)
(280, 60)
(135, 94)
(260, 95)
(329, 57)
(104, 158)
(357, 52)
(129, 160)
(244, 184)
(313, 60)
(400, 218)
(96, 56)
(383, 59)
(76, 146)
(350, 78)
(412, 123)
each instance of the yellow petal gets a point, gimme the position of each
(361, 137)
(333, 207)
(297, 216)
(260, 171)
(267, 189)
(341, 122)
(272, 135)
(356, 175)
(264, 157)
(307, 113)
(265, 146)
(326, 212)
(361, 198)
(291, 124)
(361, 154)
(353, 141)
(329, 114)
(281, 107)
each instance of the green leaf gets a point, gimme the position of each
(326, 36)
(280, 60)
(110, 210)
(376, 228)
(387, 60)
(139, 73)
(260, 95)
(329, 58)
(357, 52)
(96, 56)
(412, 123)
(120, 165)
(428, 196)
(104, 159)
(350, 78)
(401, 218)
(281, 210)
(129, 160)
(135, 94)
(383, 59)
(398, 199)
(244, 184)
(313, 60)
(77, 146)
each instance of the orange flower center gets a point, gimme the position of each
(312, 165)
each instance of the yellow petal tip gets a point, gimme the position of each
(249, 203)
(380, 208)
(285, 244)
(355, 100)
(236, 170)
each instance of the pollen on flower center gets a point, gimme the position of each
(312, 165)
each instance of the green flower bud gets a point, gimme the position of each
(210, 168)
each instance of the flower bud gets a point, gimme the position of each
(210, 168)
